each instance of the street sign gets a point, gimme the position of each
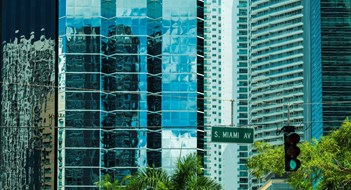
(232, 135)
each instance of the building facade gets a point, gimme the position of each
(130, 87)
(226, 89)
(298, 67)
(315, 127)
(28, 95)
(335, 55)
(213, 83)
(279, 69)
(242, 88)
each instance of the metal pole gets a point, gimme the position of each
(232, 113)
(289, 114)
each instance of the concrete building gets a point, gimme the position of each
(279, 69)
(226, 89)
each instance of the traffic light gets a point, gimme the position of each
(291, 149)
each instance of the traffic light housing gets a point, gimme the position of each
(291, 139)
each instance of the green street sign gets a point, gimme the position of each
(232, 135)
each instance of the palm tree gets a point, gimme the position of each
(187, 176)
(108, 184)
(150, 178)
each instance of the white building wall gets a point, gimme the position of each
(221, 158)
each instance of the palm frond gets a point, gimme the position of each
(187, 168)
(149, 178)
(205, 183)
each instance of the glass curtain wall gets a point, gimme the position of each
(27, 94)
(103, 103)
(179, 80)
(128, 87)
(336, 67)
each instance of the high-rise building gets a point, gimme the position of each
(279, 68)
(276, 66)
(130, 87)
(315, 125)
(241, 114)
(213, 84)
(225, 101)
(27, 94)
(298, 60)
(333, 72)
(129, 90)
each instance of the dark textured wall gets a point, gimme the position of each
(336, 65)
(28, 29)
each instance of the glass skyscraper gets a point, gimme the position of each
(130, 87)
(27, 94)
(335, 59)
(330, 51)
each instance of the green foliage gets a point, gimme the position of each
(108, 184)
(325, 163)
(187, 176)
(150, 178)
(187, 169)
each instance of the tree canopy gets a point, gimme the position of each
(108, 184)
(188, 175)
(325, 163)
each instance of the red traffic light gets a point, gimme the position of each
(293, 138)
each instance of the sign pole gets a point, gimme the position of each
(232, 113)
(288, 113)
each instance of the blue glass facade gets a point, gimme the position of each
(179, 79)
(336, 53)
(130, 82)
(330, 43)
(316, 122)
